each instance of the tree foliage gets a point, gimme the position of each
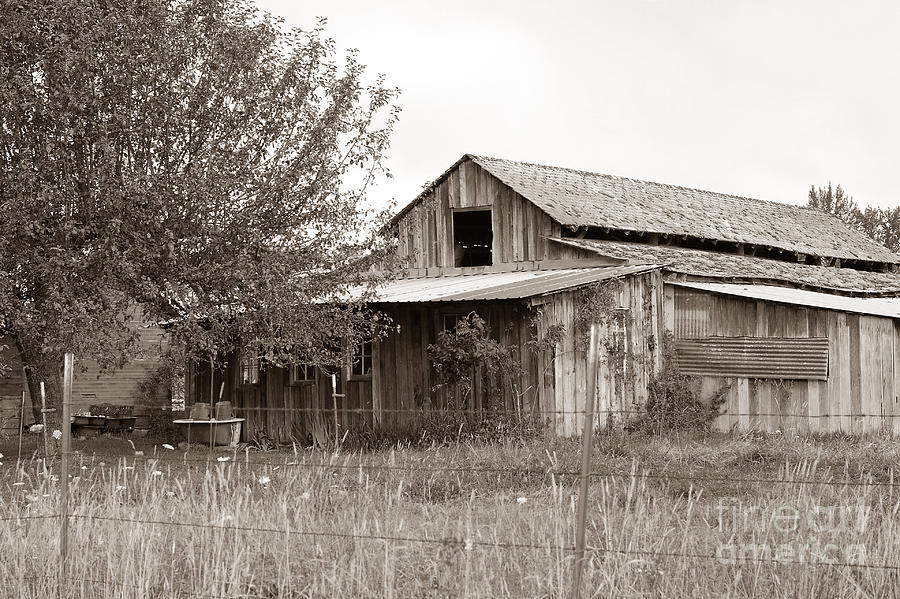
(193, 158)
(880, 225)
(469, 346)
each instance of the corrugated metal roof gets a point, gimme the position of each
(754, 357)
(876, 306)
(496, 285)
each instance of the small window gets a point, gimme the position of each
(472, 238)
(249, 370)
(303, 373)
(451, 320)
(361, 361)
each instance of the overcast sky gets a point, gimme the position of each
(754, 98)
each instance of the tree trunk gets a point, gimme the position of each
(46, 368)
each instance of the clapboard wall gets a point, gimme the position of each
(520, 230)
(91, 386)
(861, 393)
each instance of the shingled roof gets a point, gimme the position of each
(578, 198)
(732, 267)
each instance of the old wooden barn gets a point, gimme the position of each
(786, 310)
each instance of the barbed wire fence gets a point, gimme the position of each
(577, 553)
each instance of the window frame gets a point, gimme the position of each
(310, 374)
(358, 353)
(250, 364)
(455, 317)
(453, 238)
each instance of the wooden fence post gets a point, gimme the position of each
(21, 427)
(68, 364)
(586, 452)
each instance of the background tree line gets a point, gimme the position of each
(881, 225)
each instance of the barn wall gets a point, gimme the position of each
(622, 375)
(285, 411)
(120, 387)
(403, 387)
(863, 386)
(425, 233)
(405, 382)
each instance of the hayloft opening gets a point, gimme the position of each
(472, 238)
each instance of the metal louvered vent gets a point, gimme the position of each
(755, 357)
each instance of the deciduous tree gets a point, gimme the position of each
(192, 158)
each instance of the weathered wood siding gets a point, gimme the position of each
(403, 389)
(120, 387)
(405, 385)
(863, 386)
(626, 358)
(280, 409)
(520, 229)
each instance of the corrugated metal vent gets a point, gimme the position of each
(755, 357)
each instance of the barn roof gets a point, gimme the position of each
(496, 285)
(717, 265)
(578, 198)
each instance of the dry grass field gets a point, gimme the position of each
(669, 516)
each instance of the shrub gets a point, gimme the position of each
(673, 399)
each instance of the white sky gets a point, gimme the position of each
(756, 98)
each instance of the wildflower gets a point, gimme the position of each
(522, 500)
(170, 493)
(35, 428)
(264, 480)
(120, 487)
(156, 473)
(57, 434)
(227, 518)
(469, 544)
(84, 467)
(167, 446)
(1, 456)
(305, 495)
(223, 458)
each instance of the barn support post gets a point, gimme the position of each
(68, 364)
(586, 453)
